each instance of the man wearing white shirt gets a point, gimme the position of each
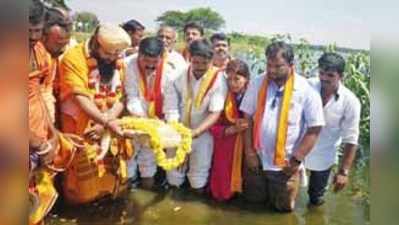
(202, 92)
(147, 78)
(168, 36)
(221, 50)
(286, 116)
(342, 115)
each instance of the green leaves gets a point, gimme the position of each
(357, 79)
(173, 18)
(86, 21)
(206, 17)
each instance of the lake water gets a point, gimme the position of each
(180, 207)
(139, 207)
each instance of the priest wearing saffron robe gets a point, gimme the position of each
(286, 116)
(201, 91)
(148, 76)
(91, 101)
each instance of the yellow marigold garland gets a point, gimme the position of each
(149, 126)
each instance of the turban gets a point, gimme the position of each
(113, 38)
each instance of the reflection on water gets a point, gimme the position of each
(179, 207)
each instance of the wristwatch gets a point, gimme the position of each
(343, 172)
(296, 160)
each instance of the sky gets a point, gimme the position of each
(344, 22)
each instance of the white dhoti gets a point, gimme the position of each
(200, 160)
(144, 160)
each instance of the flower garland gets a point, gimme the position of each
(106, 95)
(150, 126)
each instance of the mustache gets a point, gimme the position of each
(199, 71)
(33, 41)
(324, 82)
(150, 68)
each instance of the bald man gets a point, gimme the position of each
(56, 39)
(57, 31)
(176, 61)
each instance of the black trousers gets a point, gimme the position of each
(318, 182)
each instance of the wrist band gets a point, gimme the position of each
(296, 160)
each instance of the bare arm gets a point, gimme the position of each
(308, 142)
(349, 156)
(249, 150)
(306, 145)
(341, 178)
(107, 121)
(251, 157)
(91, 109)
(115, 111)
(209, 121)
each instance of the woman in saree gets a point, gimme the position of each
(228, 134)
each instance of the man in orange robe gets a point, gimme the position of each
(90, 102)
(42, 141)
(56, 39)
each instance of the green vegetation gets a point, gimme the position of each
(206, 17)
(85, 22)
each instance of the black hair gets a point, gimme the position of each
(55, 16)
(151, 46)
(332, 62)
(201, 48)
(36, 12)
(132, 26)
(286, 50)
(106, 70)
(220, 37)
(238, 66)
(193, 25)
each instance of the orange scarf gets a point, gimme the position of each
(154, 96)
(207, 82)
(232, 114)
(279, 156)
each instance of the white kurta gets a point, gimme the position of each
(137, 105)
(202, 147)
(342, 115)
(176, 61)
